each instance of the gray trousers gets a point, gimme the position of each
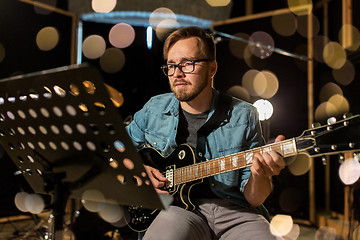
(214, 219)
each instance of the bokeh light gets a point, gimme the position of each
(300, 7)
(93, 200)
(248, 80)
(112, 212)
(237, 47)
(47, 38)
(294, 233)
(284, 24)
(239, 92)
(328, 90)
(323, 110)
(159, 15)
(271, 85)
(260, 84)
(319, 43)
(20, 201)
(250, 59)
(103, 6)
(265, 109)
(34, 203)
(261, 44)
(165, 27)
(303, 22)
(2, 52)
(340, 103)
(349, 171)
(300, 165)
(334, 55)
(113, 60)
(349, 37)
(51, 5)
(344, 75)
(325, 233)
(218, 3)
(121, 35)
(281, 224)
(93, 46)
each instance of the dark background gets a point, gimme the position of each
(142, 78)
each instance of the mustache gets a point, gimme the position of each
(181, 81)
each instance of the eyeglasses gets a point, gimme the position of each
(186, 66)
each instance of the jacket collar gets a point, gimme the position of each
(173, 106)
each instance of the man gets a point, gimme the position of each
(228, 205)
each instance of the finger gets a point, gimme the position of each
(277, 159)
(280, 138)
(260, 166)
(158, 175)
(273, 162)
(161, 191)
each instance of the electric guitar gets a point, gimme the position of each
(183, 171)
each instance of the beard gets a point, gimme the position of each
(189, 93)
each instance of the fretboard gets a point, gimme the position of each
(231, 162)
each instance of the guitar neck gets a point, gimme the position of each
(231, 162)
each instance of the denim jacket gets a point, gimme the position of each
(156, 124)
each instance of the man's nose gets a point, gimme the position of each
(178, 71)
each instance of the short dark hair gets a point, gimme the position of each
(183, 33)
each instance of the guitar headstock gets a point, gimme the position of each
(336, 137)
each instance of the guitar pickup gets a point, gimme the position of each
(169, 174)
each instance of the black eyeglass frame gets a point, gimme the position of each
(165, 66)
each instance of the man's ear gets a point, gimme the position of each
(213, 68)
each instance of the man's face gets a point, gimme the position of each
(187, 86)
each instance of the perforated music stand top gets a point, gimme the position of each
(63, 120)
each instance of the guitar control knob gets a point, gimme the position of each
(331, 121)
(135, 220)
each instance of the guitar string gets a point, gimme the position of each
(181, 175)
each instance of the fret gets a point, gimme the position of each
(242, 159)
(289, 147)
(196, 171)
(208, 171)
(222, 164)
(212, 167)
(249, 155)
(266, 149)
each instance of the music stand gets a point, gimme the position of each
(62, 131)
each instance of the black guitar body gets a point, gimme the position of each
(184, 155)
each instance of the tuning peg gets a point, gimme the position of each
(357, 156)
(315, 125)
(331, 121)
(347, 115)
(341, 158)
(324, 160)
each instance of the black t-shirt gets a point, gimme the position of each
(189, 124)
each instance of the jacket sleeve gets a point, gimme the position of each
(254, 139)
(136, 129)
